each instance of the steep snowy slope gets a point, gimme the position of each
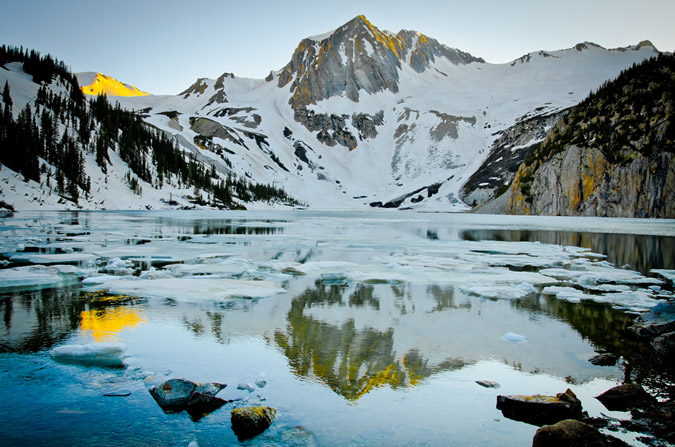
(363, 117)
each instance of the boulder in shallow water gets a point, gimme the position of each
(488, 384)
(568, 433)
(664, 345)
(626, 396)
(658, 321)
(248, 422)
(541, 410)
(605, 359)
(175, 394)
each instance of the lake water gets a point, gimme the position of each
(369, 328)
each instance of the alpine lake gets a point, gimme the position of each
(359, 328)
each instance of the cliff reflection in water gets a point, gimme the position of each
(640, 252)
(351, 361)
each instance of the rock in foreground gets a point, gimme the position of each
(568, 433)
(177, 394)
(541, 410)
(251, 421)
(626, 396)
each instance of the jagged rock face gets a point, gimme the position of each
(359, 57)
(420, 50)
(580, 182)
(506, 154)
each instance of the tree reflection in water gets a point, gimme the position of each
(351, 361)
(640, 252)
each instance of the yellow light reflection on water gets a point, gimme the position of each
(105, 324)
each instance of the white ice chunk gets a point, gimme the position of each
(668, 274)
(191, 289)
(499, 291)
(567, 293)
(34, 276)
(512, 337)
(119, 266)
(97, 354)
(594, 275)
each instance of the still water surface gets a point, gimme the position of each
(369, 328)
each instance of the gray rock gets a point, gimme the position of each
(251, 421)
(541, 410)
(659, 320)
(664, 345)
(173, 394)
(604, 359)
(568, 433)
(626, 396)
(488, 384)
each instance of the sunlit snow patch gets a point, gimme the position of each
(97, 354)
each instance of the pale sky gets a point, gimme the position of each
(162, 47)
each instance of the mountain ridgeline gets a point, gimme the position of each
(50, 140)
(358, 118)
(611, 155)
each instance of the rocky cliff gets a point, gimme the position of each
(612, 155)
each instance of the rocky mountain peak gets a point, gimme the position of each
(356, 57)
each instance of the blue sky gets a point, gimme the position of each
(164, 46)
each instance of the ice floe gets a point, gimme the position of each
(499, 291)
(668, 274)
(191, 289)
(512, 337)
(97, 354)
(33, 277)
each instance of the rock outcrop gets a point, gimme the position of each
(612, 156)
(568, 433)
(541, 410)
(358, 57)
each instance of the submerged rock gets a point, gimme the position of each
(488, 384)
(541, 410)
(568, 433)
(626, 396)
(251, 421)
(604, 359)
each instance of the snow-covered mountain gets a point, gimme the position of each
(361, 117)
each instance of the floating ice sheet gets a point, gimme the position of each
(97, 354)
(191, 289)
(33, 277)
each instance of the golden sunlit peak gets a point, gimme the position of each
(106, 85)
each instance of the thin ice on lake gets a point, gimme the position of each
(345, 315)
